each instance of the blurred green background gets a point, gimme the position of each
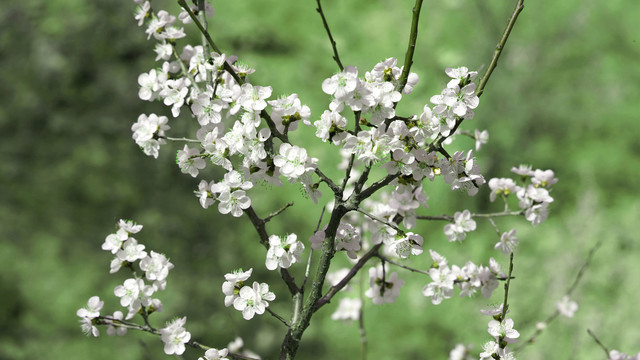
(564, 96)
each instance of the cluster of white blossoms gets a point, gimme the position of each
(250, 300)
(469, 279)
(283, 251)
(501, 329)
(533, 196)
(383, 289)
(149, 132)
(136, 292)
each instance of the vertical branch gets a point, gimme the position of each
(408, 57)
(205, 44)
(505, 305)
(336, 57)
(499, 47)
(294, 335)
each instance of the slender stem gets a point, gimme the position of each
(408, 57)
(205, 45)
(598, 342)
(479, 215)
(505, 305)
(328, 181)
(185, 72)
(501, 44)
(205, 33)
(339, 286)
(180, 139)
(133, 326)
(282, 320)
(363, 179)
(278, 212)
(336, 57)
(386, 259)
(375, 218)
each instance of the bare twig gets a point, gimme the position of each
(375, 218)
(479, 215)
(598, 342)
(385, 259)
(282, 320)
(501, 44)
(505, 304)
(278, 212)
(336, 57)
(408, 58)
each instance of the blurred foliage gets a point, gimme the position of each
(564, 96)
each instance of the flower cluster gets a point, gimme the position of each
(135, 292)
(533, 198)
(250, 300)
(468, 279)
(462, 224)
(383, 289)
(503, 333)
(283, 252)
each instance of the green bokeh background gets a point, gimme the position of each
(564, 96)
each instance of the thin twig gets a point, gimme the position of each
(501, 44)
(386, 259)
(598, 342)
(336, 57)
(505, 305)
(375, 218)
(180, 139)
(185, 72)
(478, 215)
(278, 317)
(328, 181)
(408, 57)
(205, 45)
(278, 212)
